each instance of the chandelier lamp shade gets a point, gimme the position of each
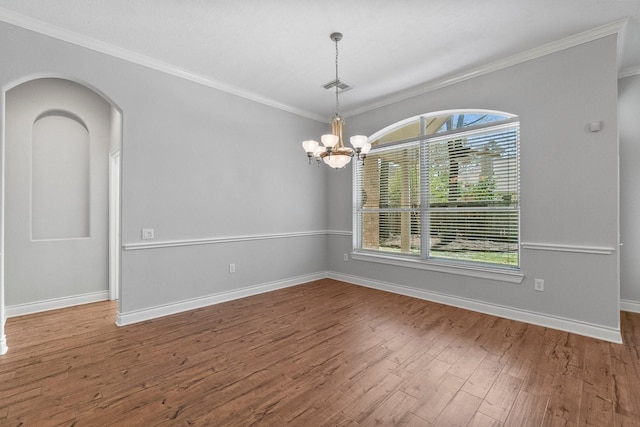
(332, 150)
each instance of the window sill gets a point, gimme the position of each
(511, 276)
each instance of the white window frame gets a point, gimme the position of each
(498, 272)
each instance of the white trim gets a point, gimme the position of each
(114, 223)
(614, 27)
(3, 339)
(340, 233)
(628, 72)
(50, 30)
(505, 275)
(59, 33)
(630, 306)
(216, 240)
(55, 303)
(540, 319)
(597, 250)
(129, 318)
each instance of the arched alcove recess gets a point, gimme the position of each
(61, 192)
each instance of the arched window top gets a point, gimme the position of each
(437, 123)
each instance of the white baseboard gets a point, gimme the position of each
(3, 345)
(129, 318)
(629, 305)
(123, 319)
(56, 303)
(568, 325)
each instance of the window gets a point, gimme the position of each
(442, 188)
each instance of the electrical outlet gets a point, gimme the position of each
(346, 257)
(538, 285)
(232, 268)
(148, 233)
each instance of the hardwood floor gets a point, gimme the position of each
(321, 354)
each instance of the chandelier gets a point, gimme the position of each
(332, 151)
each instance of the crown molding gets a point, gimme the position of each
(32, 24)
(77, 39)
(615, 27)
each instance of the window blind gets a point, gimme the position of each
(451, 196)
(473, 195)
(390, 199)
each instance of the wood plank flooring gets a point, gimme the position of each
(325, 353)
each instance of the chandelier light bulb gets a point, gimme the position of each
(337, 161)
(358, 141)
(329, 140)
(310, 146)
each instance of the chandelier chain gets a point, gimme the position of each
(337, 79)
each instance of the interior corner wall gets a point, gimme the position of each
(569, 187)
(219, 178)
(629, 112)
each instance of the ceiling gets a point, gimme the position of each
(279, 52)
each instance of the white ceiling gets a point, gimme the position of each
(279, 51)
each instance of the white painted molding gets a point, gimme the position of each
(597, 250)
(50, 30)
(3, 339)
(630, 306)
(545, 320)
(32, 24)
(340, 233)
(56, 303)
(503, 275)
(628, 72)
(129, 318)
(614, 27)
(217, 240)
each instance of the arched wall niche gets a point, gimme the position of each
(104, 162)
(60, 190)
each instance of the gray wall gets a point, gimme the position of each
(67, 238)
(569, 185)
(629, 111)
(176, 181)
(197, 163)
